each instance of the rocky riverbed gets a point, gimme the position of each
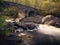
(31, 30)
(45, 34)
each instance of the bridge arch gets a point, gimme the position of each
(20, 13)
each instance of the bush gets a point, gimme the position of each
(3, 26)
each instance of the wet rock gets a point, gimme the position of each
(34, 19)
(20, 25)
(31, 26)
(24, 26)
(51, 20)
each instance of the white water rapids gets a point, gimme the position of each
(48, 30)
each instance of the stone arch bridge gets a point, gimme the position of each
(26, 9)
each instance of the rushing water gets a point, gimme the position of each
(49, 30)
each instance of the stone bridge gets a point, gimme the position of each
(27, 10)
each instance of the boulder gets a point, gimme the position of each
(51, 20)
(25, 26)
(34, 19)
(31, 26)
(20, 25)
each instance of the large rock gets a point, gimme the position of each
(51, 20)
(25, 26)
(33, 19)
(20, 25)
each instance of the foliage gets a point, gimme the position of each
(2, 18)
(3, 25)
(51, 6)
(1, 8)
(44, 4)
(54, 0)
(32, 3)
(1, 1)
